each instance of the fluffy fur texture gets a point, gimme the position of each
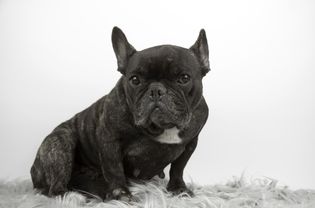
(258, 193)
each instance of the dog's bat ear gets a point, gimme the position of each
(200, 49)
(122, 48)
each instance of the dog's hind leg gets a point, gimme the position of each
(89, 182)
(51, 171)
(38, 177)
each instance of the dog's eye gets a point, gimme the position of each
(134, 80)
(183, 79)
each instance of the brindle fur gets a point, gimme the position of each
(100, 148)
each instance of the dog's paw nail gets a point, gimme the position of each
(120, 194)
(181, 190)
(162, 175)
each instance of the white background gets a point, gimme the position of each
(56, 59)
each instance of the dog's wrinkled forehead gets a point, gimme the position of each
(166, 60)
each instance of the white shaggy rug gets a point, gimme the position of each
(258, 193)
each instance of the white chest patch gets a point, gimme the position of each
(169, 136)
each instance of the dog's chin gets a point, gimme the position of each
(153, 130)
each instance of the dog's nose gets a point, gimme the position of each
(157, 91)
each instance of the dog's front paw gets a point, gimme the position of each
(121, 193)
(179, 188)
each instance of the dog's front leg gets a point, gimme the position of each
(176, 185)
(113, 171)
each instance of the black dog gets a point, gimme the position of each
(150, 119)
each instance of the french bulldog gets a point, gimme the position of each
(150, 119)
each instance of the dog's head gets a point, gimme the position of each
(163, 83)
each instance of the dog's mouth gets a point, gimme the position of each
(161, 119)
(157, 120)
(155, 117)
